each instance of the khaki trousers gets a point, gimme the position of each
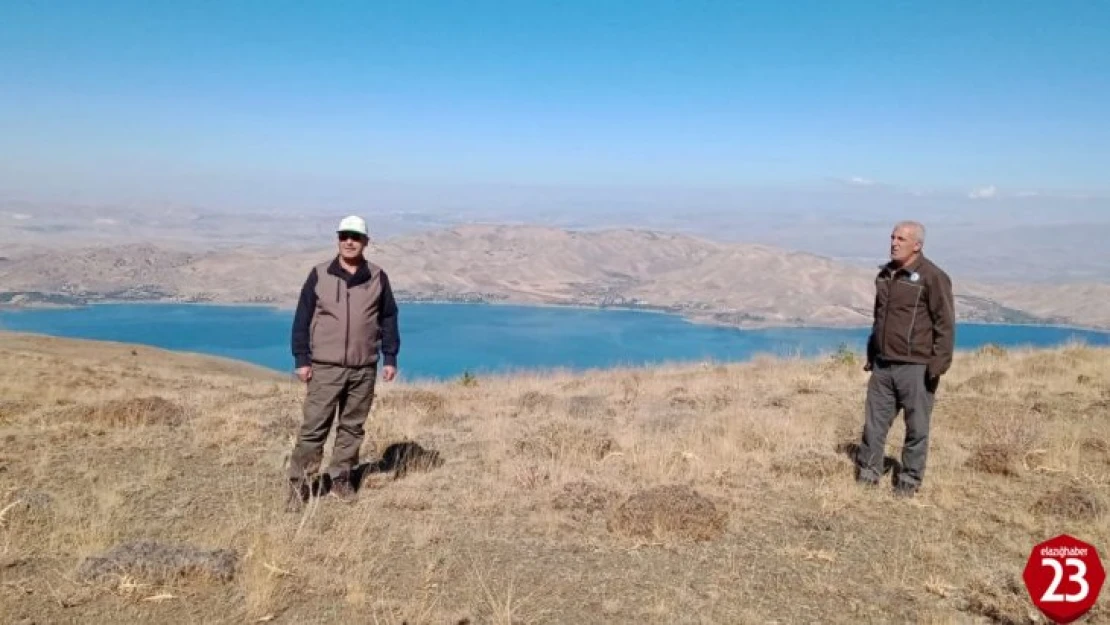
(348, 391)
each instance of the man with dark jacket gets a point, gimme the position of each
(346, 315)
(910, 347)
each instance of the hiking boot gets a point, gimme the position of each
(905, 491)
(341, 488)
(298, 496)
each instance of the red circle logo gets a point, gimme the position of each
(1064, 576)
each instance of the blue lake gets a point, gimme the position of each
(444, 340)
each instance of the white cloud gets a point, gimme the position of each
(20, 216)
(983, 193)
(862, 182)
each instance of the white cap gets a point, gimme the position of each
(353, 224)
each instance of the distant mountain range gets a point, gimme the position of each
(706, 281)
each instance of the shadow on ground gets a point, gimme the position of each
(399, 458)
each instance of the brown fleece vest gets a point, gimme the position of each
(345, 329)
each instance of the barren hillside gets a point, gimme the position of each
(142, 486)
(750, 285)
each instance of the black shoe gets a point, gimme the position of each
(298, 496)
(905, 491)
(341, 489)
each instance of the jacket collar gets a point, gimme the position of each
(888, 269)
(361, 275)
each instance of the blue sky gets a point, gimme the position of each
(111, 96)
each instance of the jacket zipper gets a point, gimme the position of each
(913, 319)
(347, 334)
(886, 315)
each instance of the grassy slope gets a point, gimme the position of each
(515, 527)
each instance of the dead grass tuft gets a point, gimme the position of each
(281, 425)
(1070, 502)
(587, 497)
(667, 513)
(1020, 431)
(1099, 407)
(140, 411)
(1045, 365)
(810, 464)
(429, 404)
(985, 383)
(30, 507)
(411, 501)
(535, 401)
(586, 406)
(159, 563)
(994, 458)
(1003, 602)
(1095, 445)
(13, 408)
(680, 397)
(807, 386)
(778, 402)
(992, 350)
(562, 439)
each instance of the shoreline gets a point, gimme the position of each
(687, 318)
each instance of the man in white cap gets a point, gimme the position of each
(346, 315)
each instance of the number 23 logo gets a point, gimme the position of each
(1051, 594)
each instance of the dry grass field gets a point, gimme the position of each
(142, 486)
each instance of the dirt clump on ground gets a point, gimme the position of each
(668, 512)
(995, 459)
(1002, 600)
(1070, 502)
(159, 563)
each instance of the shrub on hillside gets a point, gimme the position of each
(1071, 502)
(668, 513)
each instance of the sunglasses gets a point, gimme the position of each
(343, 236)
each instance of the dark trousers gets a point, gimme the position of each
(348, 391)
(894, 387)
